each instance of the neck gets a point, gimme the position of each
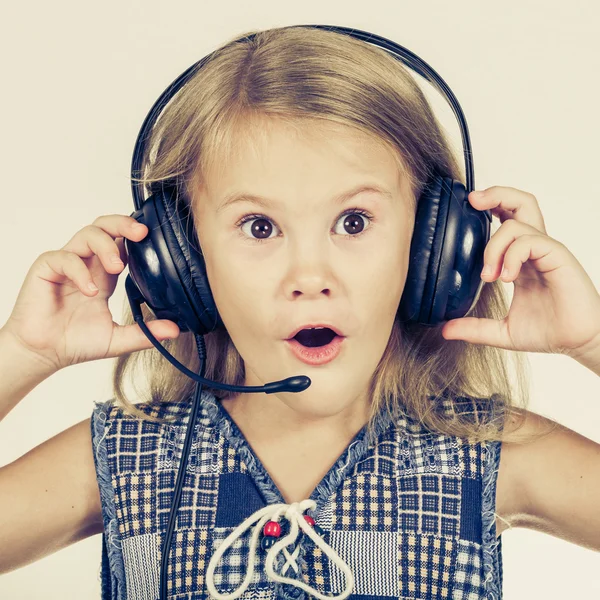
(267, 417)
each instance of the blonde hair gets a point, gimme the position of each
(296, 75)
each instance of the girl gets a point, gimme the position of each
(301, 155)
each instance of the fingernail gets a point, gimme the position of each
(487, 270)
(504, 273)
(477, 193)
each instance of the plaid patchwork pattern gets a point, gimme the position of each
(198, 504)
(425, 565)
(429, 504)
(406, 518)
(317, 573)
(366, 503)
(469, 576)
(189, 560)
(203, 457)
(471, 460)
(134, 502)
(229, 458)
(382, 459)
(133, 445)
(430, 454)
(232, 567)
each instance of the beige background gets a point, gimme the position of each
(78, 79)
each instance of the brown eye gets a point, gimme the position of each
(260, 228)
(353, 222)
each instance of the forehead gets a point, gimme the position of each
(252, 150)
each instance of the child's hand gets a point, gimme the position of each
(58, 317)
(555, 306)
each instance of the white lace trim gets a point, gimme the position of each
(294, 513)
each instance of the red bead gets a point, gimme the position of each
(309, 520)
(272, 528)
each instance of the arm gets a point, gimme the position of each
(49, 498)
(554, 483)
(20, 372)
(589, 355)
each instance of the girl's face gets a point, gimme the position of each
(311, 265)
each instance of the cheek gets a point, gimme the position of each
(236, 288)
(381, 291)
(237, 291)
(384, 277)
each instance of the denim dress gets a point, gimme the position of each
(403, 513)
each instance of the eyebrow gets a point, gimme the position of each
(236, 197)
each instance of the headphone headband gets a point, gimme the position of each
(407, 57)
(447, 245)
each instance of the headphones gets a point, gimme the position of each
(443, 282)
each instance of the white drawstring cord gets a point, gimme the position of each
(292, 512)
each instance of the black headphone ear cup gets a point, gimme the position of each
(152, 277)
(446, 255)
(415, 304)
(189, 273)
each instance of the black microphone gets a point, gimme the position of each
(291, 384)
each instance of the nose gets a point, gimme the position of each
(309, 272)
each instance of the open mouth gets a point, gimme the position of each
(316, 346)
(314, 338)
